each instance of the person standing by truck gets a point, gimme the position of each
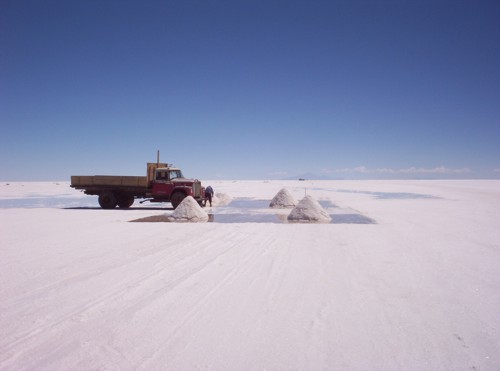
(209, 193)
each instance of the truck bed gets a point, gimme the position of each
(84, 181)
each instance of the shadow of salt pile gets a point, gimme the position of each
(308, 210)
(189, 211)
(283, 199)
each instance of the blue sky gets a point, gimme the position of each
(250, 89)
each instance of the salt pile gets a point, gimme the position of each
(309, 210)
(283, 199)
(189, 211)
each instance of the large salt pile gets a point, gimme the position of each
(309, 210)
(189, 211)
(283, 199)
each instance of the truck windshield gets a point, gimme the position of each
(174, 174)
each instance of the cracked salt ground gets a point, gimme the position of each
(247, 210)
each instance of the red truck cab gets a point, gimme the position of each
(169, 183)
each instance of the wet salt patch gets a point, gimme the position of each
(257, 211)
(392, 195)
(248, 218)
(282, 219)
(248, 203)
(351, 219)
(240, 210)
(248, 210)
(327, 204)
(47, 202)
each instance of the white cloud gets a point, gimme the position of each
(436, 170)
(410, 170)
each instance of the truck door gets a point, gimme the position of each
(162, 185)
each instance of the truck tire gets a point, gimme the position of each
(125, 201)
(107, 200)
(177, 198)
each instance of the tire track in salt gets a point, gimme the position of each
(168, 258)
(247, 259)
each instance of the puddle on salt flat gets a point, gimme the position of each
(351, 219)
(45, 202)
(247, 210)
(246, 218)
(327, 204)
(282, 218)
(392, 195)
(248, 203)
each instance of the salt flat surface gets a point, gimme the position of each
(417, 289)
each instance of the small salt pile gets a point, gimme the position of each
(309, 210)
(283, 199)
(189, 211)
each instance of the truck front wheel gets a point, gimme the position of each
(107, 200)
(177, 198)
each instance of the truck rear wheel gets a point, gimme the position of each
(125, 201)
(107, 200)
(177, 198)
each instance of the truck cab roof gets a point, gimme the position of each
(167, 168)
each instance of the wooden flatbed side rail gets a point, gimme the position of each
(80, 181)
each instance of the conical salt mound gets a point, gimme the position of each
(283, 199)
(309, 210)
(189, 211)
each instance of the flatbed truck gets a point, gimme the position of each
(163, 183)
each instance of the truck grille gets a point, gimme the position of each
(197, 189)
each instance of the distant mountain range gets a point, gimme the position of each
(310, 176)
